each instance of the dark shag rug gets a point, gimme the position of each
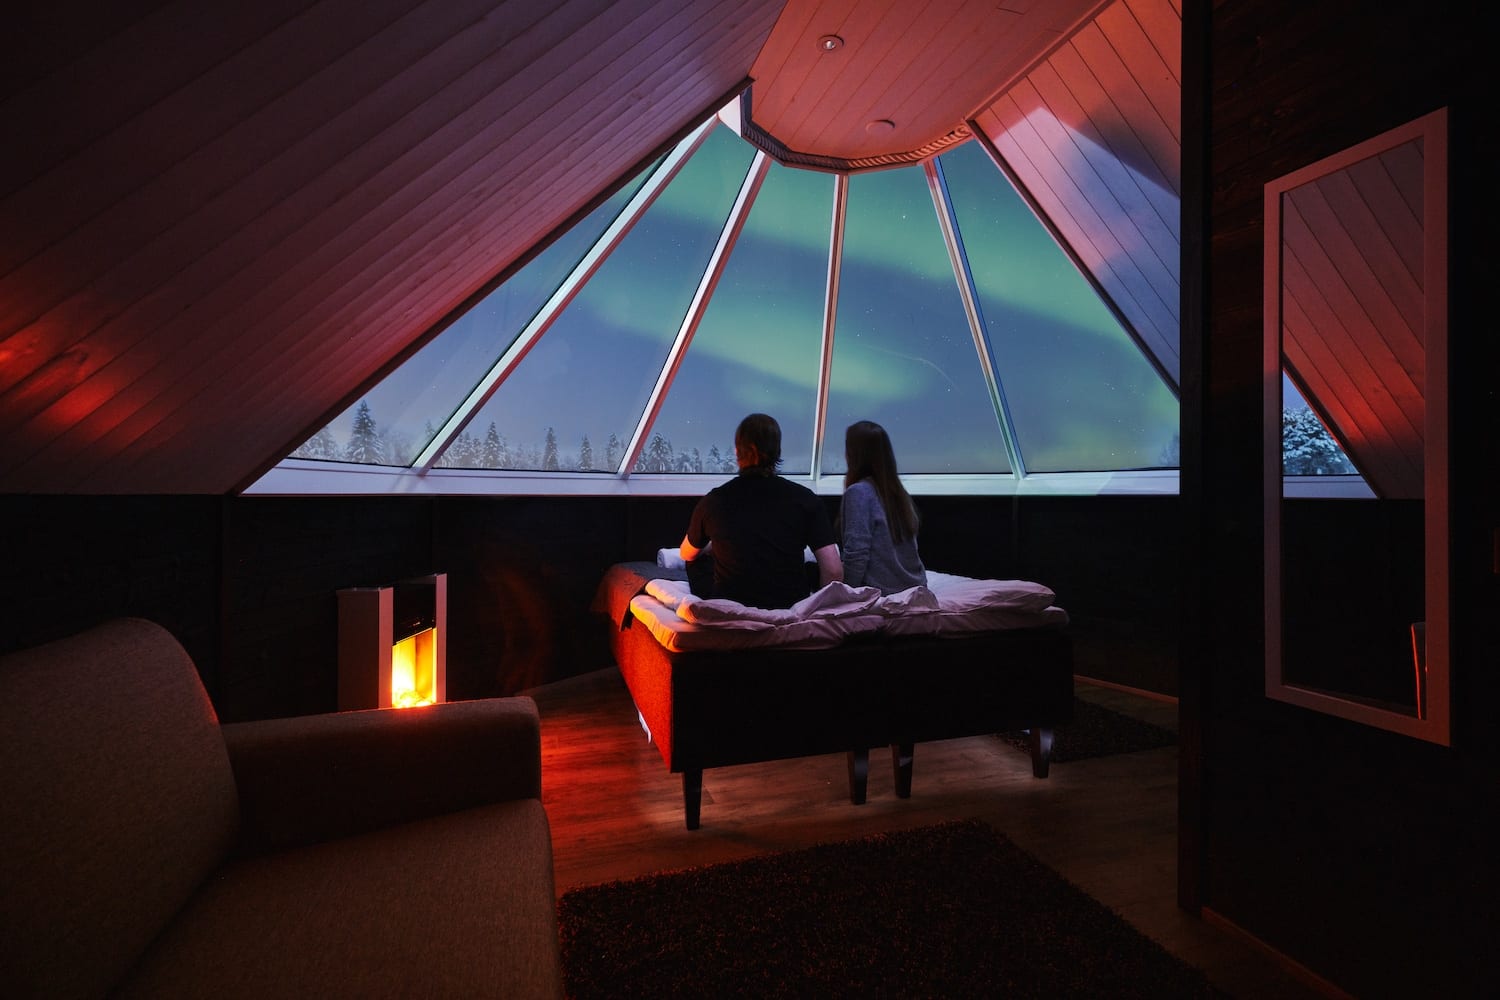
(953, 910)
(1097, 731)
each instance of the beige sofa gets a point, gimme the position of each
(146, 850)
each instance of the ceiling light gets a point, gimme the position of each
(880, 126)
(830, 42)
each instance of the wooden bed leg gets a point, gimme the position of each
(901, 761)
(859, 774)
(692, 795)
(1041, 750)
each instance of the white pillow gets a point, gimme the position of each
(959, 594)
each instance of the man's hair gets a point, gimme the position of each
(757, 443)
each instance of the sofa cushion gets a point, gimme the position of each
(460, 905)
(118, 800)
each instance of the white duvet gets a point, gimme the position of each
(948, 605)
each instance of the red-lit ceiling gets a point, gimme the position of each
(220, 222)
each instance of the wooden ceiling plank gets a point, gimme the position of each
(483, 256)
(1131, 203)
(1132, 295)
(63, 110)
(1158, 122)
(959, 80)
(1406, 165)
(248, 388)
(1398, 175)
(54, 35)
(1378, 223)
(280, 206)
(826, 77)
(1073, 209)
(1089, 238)
(154, 148)
(1161, 22)
(1326, 357)
(1346, 416)
(1338, 221)
(783, 78)
(1337, 321)
(132, 241)
(1158, 167)
(481, 253)
(188, 314)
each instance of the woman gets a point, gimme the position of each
(877, 520)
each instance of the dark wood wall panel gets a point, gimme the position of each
(248, 584)
(71, 562)
(1353, 851)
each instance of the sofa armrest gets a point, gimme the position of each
(318, 777)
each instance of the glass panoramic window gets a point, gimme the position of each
(1056, 385)
(1081, 394)
(398, 417)
(903, 353)
(573, 402)
(758, 345)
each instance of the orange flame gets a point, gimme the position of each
(414, 670)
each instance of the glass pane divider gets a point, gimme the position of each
(728, 236)
(564, 294)
(953, 240)
(830, 318)
(1012, 178)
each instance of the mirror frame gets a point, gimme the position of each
(1432, 721)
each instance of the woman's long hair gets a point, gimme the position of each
(868, 454)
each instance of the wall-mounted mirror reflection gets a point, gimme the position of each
(1356, 433)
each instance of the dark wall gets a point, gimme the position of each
(70, 562)
(248, 584)
(1366, 856)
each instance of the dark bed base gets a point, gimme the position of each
(714, 709)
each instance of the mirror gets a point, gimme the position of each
(1356, 588)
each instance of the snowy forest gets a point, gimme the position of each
(370, 444)
(1307, 450)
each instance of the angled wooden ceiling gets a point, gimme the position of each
(897, 79)
(220, 223)
(1354, 311)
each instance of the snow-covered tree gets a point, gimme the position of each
(612, 453)
(464, 453)
(1307, 449)
(585, 456)
(549, 454)
(689, 462)
(1171, 455)
(320, 446)
(364, 444)
(657, 457)
(492, 454)
(398, 447)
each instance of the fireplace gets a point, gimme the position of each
(393, 644)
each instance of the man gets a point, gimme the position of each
(756, 526)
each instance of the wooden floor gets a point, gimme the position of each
(1108, 824)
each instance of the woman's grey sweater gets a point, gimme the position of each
(870, 558)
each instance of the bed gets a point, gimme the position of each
(871, 672)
